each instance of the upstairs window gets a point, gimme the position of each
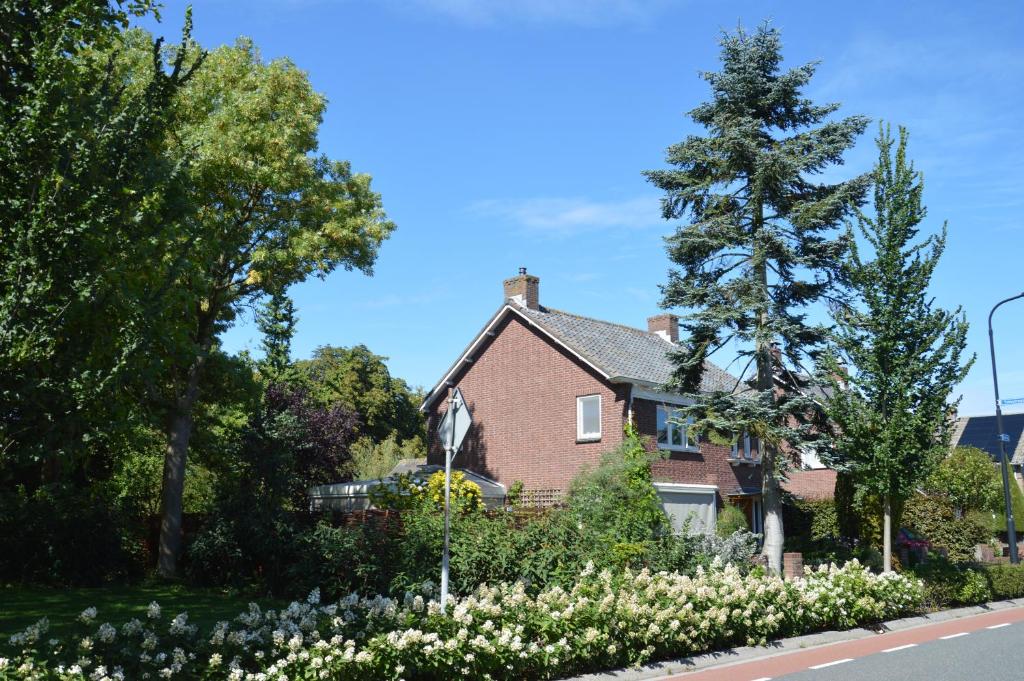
(673, 430)
(742, 449)
(588, 418)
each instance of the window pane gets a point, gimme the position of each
(662, 426)
(590, 415)
(678, 431)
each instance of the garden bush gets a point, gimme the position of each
(1007, 581)
(604, 620)
(731, 519)
(63, 535)
(935, 519)
(947, 583)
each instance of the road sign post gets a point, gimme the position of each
(1011, 530)
(452, 430)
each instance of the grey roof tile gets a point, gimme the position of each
(621, 351)
(981, 432)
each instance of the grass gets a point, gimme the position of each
(21, 606)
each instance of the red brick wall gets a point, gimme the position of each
(522, 389)
(710, 466)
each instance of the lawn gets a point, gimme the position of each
(21, 606)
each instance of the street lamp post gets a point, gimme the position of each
(1011, 531)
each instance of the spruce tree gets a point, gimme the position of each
(759, 247)
(276, 321)
(903, 354)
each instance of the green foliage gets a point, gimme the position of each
(617, 499)
(87, 249)
(731, 519)
(947, 583)
(360, 380)
(64, 535)
(1007, 580)
(373, 460)
(265, 211)
(276, 321)
(899, 356)
(816, 519)
(936, 520)
(969, 480)
(1017, 504)
(758, 248)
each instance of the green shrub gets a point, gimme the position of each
(64, 535)
(947, 583)
(812, 519)
(1007, 581)
(968, 480)
(617, 499)
(731, 519)
(934, 518)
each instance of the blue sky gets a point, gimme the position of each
(505, 133)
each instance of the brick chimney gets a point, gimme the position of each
(665, 325)
(523, 290)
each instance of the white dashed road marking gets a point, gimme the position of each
(999, 626)
(764, 678)
(893, 650)
(946, 638)
(833, 662)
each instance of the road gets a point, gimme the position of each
(983, 647)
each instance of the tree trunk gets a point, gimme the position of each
(771, 501)
(886, 534)
(179, 432)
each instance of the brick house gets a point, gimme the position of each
(551, 391)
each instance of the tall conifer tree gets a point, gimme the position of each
(276, 321)
(758, 248)
(904, 354)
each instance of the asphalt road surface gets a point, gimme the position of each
(986, 647)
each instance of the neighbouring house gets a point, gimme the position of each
(812, 484)
(983, 433)
(551, 391)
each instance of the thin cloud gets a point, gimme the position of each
(561, 217)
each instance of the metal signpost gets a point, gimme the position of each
(452, 430)
(1011, 531)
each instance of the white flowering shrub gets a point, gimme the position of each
(499, 632)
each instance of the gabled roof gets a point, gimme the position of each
(621, 354)
(981, 432)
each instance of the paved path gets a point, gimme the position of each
(981, 647)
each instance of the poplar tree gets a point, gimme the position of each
(760, 246)
(904, 354)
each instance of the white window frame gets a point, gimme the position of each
(580, 435)
(689, 444)
(746, 448)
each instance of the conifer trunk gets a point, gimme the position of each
(771, 499)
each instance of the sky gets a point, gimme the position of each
(513, 133)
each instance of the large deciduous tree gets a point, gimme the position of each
(88, 205)
(759, 247)
(267, 212)
(904, 354)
